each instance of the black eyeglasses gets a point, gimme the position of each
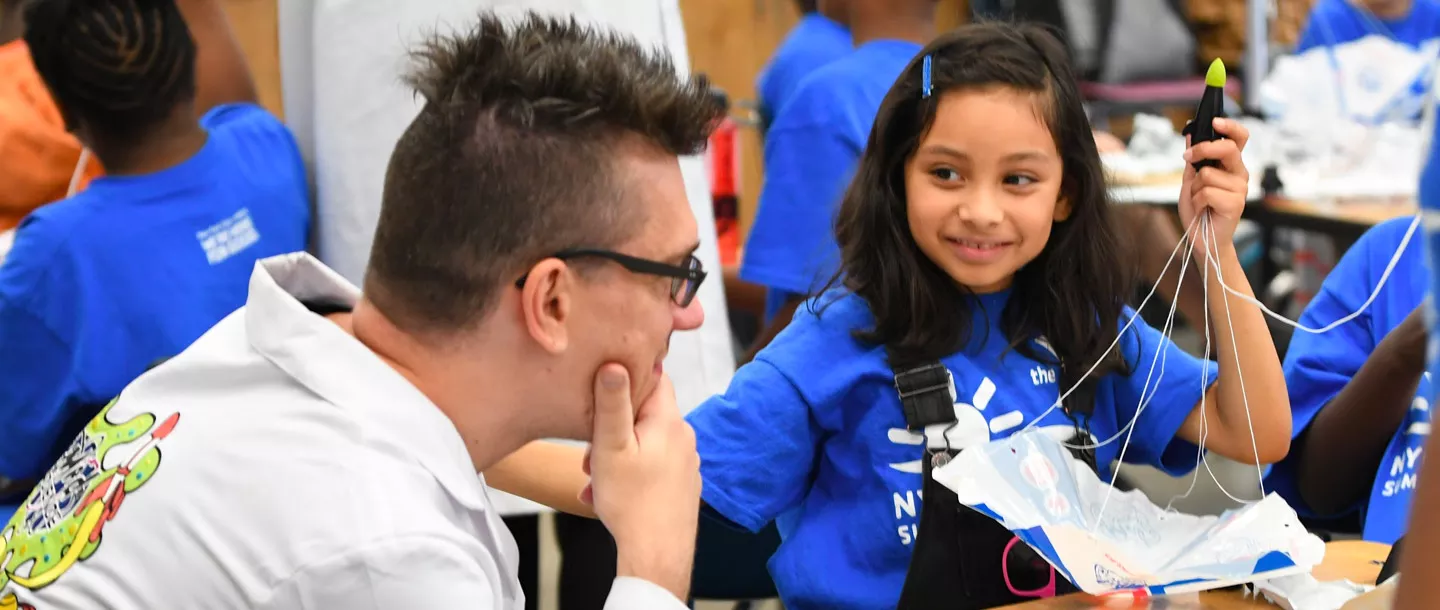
(685, 278)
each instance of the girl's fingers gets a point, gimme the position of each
(1235, 130)
(1224, 152)
(1214, 176)
(1216, 198)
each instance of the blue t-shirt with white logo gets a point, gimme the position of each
(814, 42)
(813, 429)
(1333, 22)
(810, 155)
(101, 285)
(1318, 366)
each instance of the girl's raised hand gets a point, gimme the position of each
(1221, 190)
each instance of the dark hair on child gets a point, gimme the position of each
(120, 66)
(1072, 293)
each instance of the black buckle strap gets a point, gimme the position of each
(927, 395)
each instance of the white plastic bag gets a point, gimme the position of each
(1053, 502)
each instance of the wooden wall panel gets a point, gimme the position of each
(730, 41)
(257, 27)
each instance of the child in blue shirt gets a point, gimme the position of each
(976, 233)
(101, 285)
(1332, 22)
(821, 37)
(1360, 398)
(811, 151)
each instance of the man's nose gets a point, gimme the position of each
(691, 317)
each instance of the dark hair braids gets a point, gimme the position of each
(1073, 293)
(119, 66)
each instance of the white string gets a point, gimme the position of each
(1384, 277)
(1209, 238)
(1166, 331)
(1204, 397)
(1116, 341)
(79, 172)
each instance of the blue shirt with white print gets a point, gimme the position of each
(813, 429)
(1318, 366)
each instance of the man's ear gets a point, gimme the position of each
(1062, 209)
(546, 301)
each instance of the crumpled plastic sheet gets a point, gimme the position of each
(1303, 592)
(1033, 486)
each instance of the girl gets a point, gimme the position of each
(976, 233)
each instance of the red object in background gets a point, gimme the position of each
(723, 189)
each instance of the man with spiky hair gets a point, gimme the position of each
(321, 446)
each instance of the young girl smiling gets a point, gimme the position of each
(976, 234)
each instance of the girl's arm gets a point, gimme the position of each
(221, 74)
(1249, 366)
(545, 472)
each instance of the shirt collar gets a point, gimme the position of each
(330, 362)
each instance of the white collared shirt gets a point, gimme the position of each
(275, 464)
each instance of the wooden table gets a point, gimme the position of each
(1355, 560)
(1344, 220)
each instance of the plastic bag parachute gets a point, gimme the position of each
(1056, 504)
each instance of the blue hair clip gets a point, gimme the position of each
(925, 84)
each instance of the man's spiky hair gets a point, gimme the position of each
(514, 157)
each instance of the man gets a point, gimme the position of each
(201, 183)
(352, 46)
(811, 151)
(535, 251)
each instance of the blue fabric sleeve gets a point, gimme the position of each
(40, 385)
(1317, 366)
(1172, 393)
(791, 246)
(757, 444)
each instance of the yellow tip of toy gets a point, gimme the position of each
(1215, 76)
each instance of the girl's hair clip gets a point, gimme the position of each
(925, 81)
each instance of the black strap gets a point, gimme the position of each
(927, 393)
(956, 562)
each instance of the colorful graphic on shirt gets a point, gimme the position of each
(61, 521)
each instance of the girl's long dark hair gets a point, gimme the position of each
(1072, 293)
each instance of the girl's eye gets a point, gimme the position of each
(945, 173)
(1020, 180)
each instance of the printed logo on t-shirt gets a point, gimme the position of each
(61, 521)
(228, 237)
(1405, 463)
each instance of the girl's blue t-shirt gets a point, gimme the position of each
(1318, 366)
(812, 431)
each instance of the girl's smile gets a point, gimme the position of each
(978, 251)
